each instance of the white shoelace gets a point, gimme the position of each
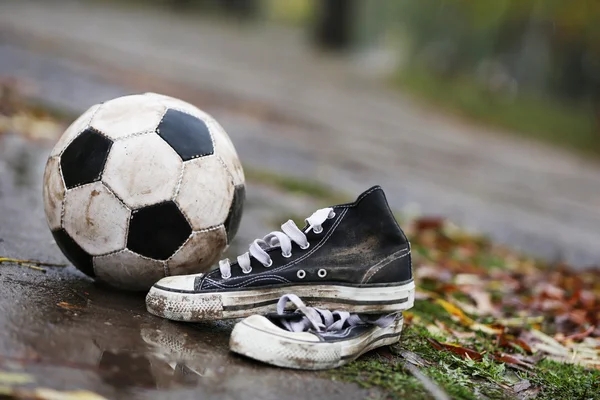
(324, 320)
(289, 233)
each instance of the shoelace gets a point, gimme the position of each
(324, 320)
(289, 233)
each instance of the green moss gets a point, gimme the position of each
(565, 381)
(461, 379)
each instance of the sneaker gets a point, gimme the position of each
(351, 257)
(310, 338)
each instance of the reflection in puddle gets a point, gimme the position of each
(192, 352)
(125, 370)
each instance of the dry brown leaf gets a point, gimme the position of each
(456, 349)
(509, 359)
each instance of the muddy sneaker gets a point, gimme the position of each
(311, 338)
(351, 257)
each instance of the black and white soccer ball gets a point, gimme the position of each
(142, 187)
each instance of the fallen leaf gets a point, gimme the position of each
(468, 279)
(456, 349)
(14, 378)
(454, 332)
(466, 321)
(455, 312)
(48, 394)
(68, 306)
(509, 359)
(483, 301)
(581, 335)
(520, 321)
(428, 223)
(433, 273)
(549, 344)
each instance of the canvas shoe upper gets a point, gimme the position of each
(312, 338)
(350, 257)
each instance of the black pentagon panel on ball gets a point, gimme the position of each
(78, 257)
(187, 135)
(232, 223)
(83, 160)
(157, 231)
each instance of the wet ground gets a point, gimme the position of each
(69, 334)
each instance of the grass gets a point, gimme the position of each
(462, 379)
(568, 126)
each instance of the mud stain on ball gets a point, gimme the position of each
(88, 218)
(199, 252)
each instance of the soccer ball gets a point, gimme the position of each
(141, 187)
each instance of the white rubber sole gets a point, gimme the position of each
(194, 307)
(275, 346)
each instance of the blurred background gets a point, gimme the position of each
(485, 113)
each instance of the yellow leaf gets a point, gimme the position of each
(68, 306)
(457, 313)
(520, 321)
(13, 378)
(50, 394)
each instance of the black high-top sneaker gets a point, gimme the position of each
(352, 257)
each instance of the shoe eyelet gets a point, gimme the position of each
(322, 273)
(305, 247)
(317, 231)
(301, 274)
(247, 271)
(331, 216)
(287, 255)
(269, 264)
(226, 276)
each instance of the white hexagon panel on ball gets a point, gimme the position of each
(128, 115)
(205, 193)
(142, 170)
(96, 219)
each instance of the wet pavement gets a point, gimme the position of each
(69, 333)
